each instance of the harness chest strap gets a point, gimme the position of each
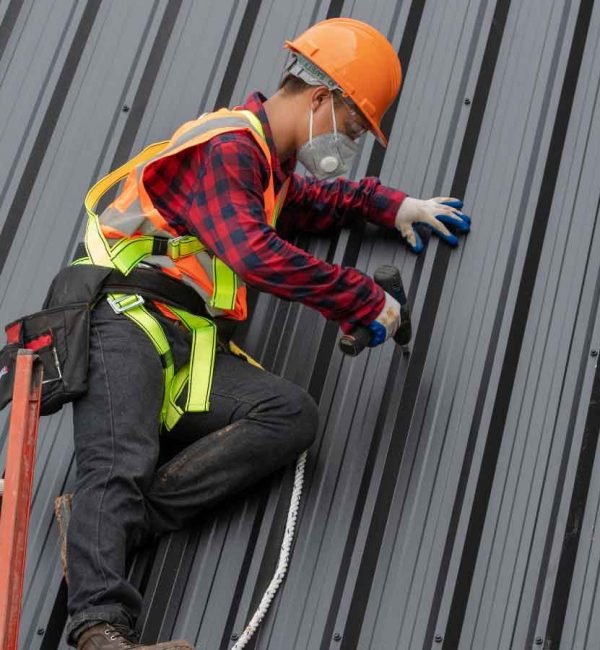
(127, 253)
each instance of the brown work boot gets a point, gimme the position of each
(106, 636)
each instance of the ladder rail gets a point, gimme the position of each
(17, 491)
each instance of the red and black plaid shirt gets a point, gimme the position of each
(215, 192)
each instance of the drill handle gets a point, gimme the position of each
(388, 278)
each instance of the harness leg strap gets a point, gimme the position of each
(132, 307)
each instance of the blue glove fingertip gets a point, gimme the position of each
(452, 240)
(379, 333)
(419, 245)
(456, 203)
(462, 226)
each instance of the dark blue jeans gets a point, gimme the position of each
(257, 423)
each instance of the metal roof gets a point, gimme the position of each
(452, 498)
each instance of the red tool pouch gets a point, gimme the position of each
(60, 337)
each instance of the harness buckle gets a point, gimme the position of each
(125, 303)
(174, 246)
(183, 246)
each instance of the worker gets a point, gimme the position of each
(202, 216)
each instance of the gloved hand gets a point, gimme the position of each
(386, 323)
(434, 213)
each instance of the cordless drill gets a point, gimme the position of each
(388, 278)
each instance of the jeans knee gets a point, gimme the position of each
(304, 419)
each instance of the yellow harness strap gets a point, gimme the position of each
(132, 307)
(197, 374)
(125, 255)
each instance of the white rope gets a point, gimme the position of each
(284, 557)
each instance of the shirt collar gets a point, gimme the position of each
(255, 104)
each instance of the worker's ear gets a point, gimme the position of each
(319, 95)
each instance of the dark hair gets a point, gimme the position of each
(292, 85)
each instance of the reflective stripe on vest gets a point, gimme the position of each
(185, 258)
(133, 218)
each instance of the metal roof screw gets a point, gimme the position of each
(337, 636)
(594, 353)
(41, 631)
(467, 101)
(438, 638)
(125, 108)
(235, 637)
(539, 640)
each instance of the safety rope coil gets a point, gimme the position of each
(284, 557)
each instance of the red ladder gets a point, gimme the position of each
(16, 493)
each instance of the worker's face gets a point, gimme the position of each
(332, 131)
(348, 120)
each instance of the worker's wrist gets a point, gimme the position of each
(384, 206)
(348, 325)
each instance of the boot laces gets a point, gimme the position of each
(121, 633)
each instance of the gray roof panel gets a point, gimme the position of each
(451, 497)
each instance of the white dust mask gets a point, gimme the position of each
(328, 155)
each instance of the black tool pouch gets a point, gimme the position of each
(60, 338)
(59, 335)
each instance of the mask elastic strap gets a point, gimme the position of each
(310, 127)
(333, 116)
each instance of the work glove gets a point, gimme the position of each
(436, 214)
(386, 323)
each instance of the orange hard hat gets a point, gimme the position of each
(358, 59)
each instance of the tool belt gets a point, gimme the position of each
(87, 283)
(60, 338)
(59, 335)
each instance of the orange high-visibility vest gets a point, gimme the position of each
(131, 231)
(132, 215)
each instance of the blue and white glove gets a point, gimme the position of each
(386, 323)
(436, 214)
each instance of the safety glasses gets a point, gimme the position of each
(357, 125)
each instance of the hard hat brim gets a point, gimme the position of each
(378, 133)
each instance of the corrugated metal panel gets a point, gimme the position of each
(451, 497)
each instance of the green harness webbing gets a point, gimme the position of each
(125, 255)
(196, 375)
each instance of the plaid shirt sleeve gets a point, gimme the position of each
(316, 206)
(217, 194)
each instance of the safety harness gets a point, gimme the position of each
(188, 389)
(124, 255)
